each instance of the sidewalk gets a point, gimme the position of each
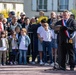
(32, 70)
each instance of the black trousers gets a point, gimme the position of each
(67, 48)
(35, 49)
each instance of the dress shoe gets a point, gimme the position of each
(61, 68)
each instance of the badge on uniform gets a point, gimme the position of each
(70, 41)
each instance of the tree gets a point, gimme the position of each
(74, 12)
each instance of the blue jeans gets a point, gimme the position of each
(47, 44)
(54, 43)
(23, 54)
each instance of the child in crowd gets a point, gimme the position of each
(17, 29)
(3, 48)
(39, 33)
(23, 42)
(7, 53)
(13, 47)
(47, 38)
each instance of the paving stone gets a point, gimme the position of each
(33, 70)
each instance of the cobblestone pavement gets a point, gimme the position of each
(33, 70)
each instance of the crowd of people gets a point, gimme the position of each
(50, 40)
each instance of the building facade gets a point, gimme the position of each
(32, 7)
(74, 4)
(16, 5)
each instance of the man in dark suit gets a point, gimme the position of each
(68, 26)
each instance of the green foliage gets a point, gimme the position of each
(74, 12)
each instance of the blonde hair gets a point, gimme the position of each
(41, 13)
(24, 29)
(4, 19)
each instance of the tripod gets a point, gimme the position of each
(55, 52)
(57, 67)
(57, 30)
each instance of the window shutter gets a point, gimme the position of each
(70, 6)
(49, 5)
(34, 4)
(55, 6)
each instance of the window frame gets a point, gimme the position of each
(43, 5)
(66, 6)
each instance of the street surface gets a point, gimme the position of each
(33, 70)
